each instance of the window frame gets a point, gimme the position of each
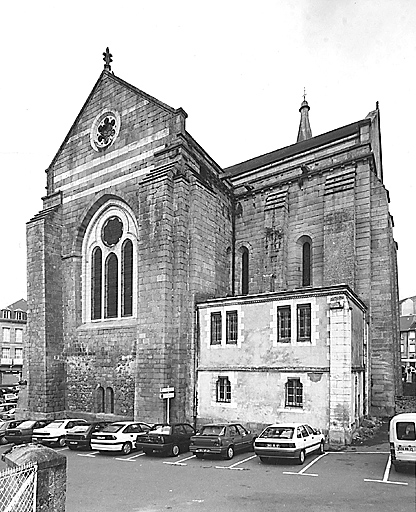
(287, 327)
(216, 328)
(304, 323)
(223, 389)
(231, 327)
(94, 303)
(294, 393)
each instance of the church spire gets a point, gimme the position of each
(305, 131)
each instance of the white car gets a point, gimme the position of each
(55, 432)
(120, 436)
(288, 441)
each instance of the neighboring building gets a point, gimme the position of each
(408, 338)
(148, 256)
(13, 320)
(298, 355)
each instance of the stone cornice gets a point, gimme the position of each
(296, 293)
(262, 369)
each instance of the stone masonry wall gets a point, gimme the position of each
(384, 335)
(44, 346)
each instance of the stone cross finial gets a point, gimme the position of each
(108, 59)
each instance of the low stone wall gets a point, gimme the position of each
(405, 404)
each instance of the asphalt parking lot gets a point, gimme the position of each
(358, 478)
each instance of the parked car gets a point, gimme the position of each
(80, 436)
(4, 425)
(55, 432)
(402, 439)
(23, 432)
(7, 410)
(167, 438)
(119, 436)
(288, 441)
(223, 439)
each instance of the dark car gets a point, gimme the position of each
(166, 438)
(22, 433)
(223, 439)
(80, 436)
(4, 425)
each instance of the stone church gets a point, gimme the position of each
(260, 292)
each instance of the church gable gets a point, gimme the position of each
(113, 140)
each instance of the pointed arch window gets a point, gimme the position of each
(109, 277)
(306, 264)
(127, 278)
(111, 286)
(99, 399)
(96, 283)
(244, 270)
(109, 400)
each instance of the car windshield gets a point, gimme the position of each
(2, 423)
(279, 432)
(80, 428)
(27, 424)
(406, 431)
(115, 427)
(212, 430)
(160, 429)
(55, 424)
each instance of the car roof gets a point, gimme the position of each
(293, 425)
(219, 424)
(405, 416)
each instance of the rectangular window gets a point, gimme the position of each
(232, 327)
(19, 335)
(18, 353)
(6, 335)
(5, 353)
(304, 322)
(283, 324)
(216, 329)
(223, 389)
(294, 393)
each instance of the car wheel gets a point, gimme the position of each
(61, 441)
(264, 459)
(175, 450)
(3, 440)
(397, 468)
(230, 453)
(147, 452)
(301, 458)
(126, 448)
(322, 447)
(71, 447)
(199, 455)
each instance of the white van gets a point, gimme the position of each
(402, 437)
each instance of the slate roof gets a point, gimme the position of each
(20, 305)
(408, 323)
(299, 147)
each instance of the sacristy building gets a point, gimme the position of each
(263, 292)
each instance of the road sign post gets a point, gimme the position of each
(167, 394)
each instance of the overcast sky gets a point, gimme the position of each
(238, 68)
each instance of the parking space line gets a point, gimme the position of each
(91, 454)
(179, 462)
(302, 471)
(386, 476)
(236, 464)
(131, 459)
